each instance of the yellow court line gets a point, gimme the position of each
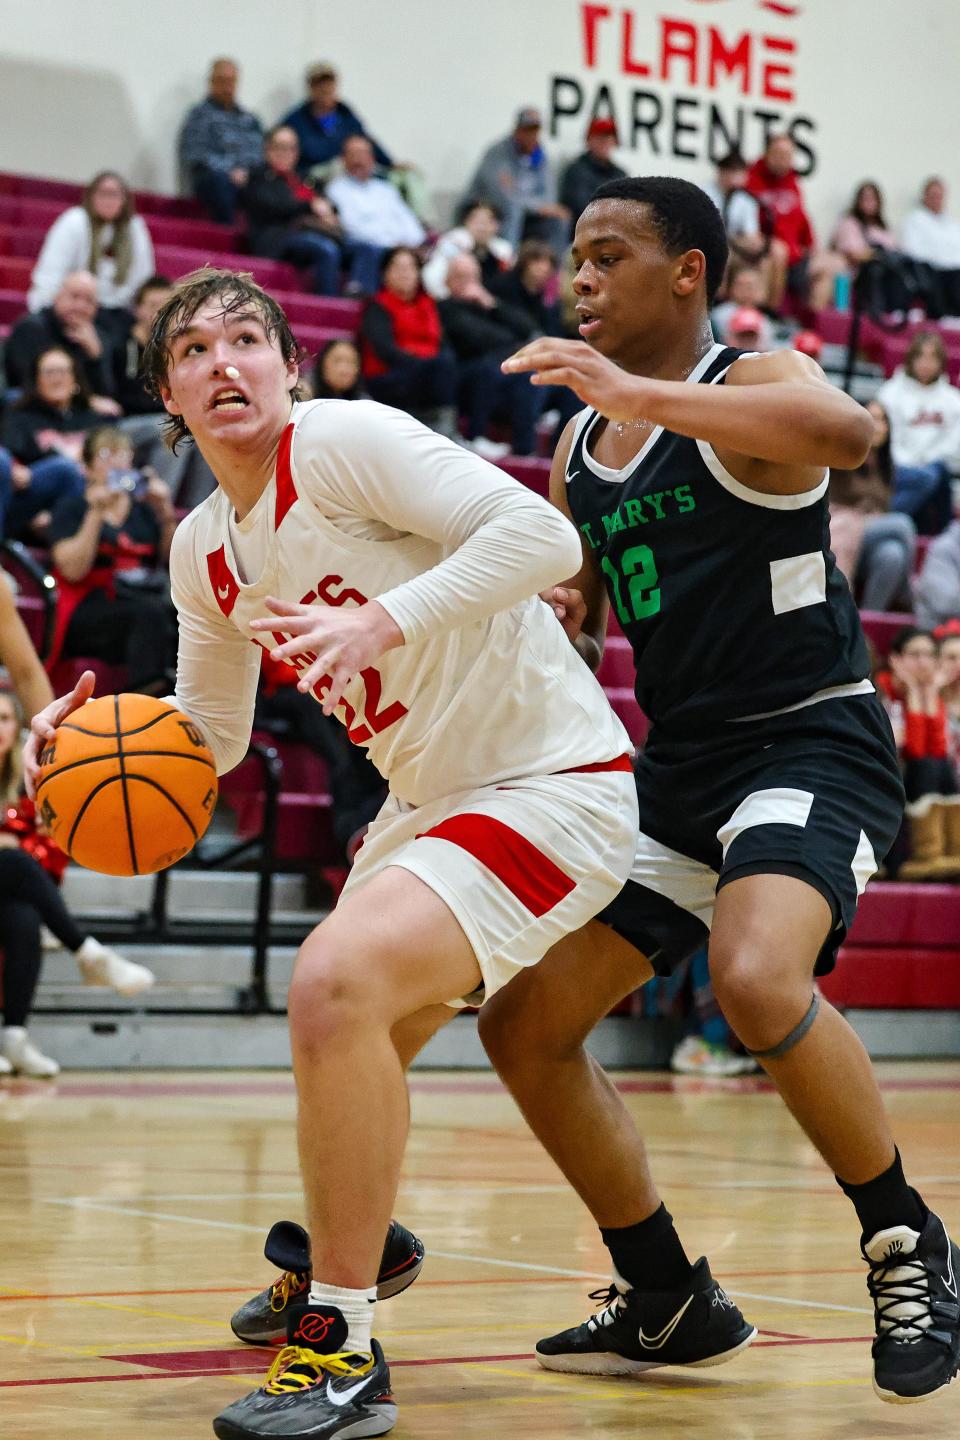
(28, 1344)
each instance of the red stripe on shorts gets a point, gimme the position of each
(622, 762)
(286, 490)
(527, 873)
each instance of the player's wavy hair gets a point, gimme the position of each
(237, 293)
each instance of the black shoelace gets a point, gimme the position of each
(900, 1290)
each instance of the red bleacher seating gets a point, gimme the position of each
(903, 951)
(882, 625)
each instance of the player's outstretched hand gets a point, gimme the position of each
(569, 607)
(596, 380)
(44, 723)
(338, 643)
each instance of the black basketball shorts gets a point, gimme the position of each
(816, 794)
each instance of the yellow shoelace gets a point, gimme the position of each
(290, 1283)
(297, 1369)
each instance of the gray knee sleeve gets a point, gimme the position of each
(796, 1035)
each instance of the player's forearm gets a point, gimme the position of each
(515, 555)
(784, 422)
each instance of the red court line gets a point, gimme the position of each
(252, 1369)
(745, 1085)
(395, 1364)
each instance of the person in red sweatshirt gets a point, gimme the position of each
(810, 270)
(911, 691)
(405, 362)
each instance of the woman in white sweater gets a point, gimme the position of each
(924, 413)
(101, 234)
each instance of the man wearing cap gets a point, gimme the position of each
(324, 122)
(517, 179)
(220, 142)
(591, 169)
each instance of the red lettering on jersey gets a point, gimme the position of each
(343, 597)
(225, 587)
(377, 720)
(286, 490)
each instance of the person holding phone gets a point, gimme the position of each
(108, 547)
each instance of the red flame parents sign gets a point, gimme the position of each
(687, 86)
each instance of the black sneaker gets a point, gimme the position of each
(314, 1389)
(263, 1320)
(913, 1285)
(637, 1331)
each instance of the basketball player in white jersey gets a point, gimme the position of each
(398, 574)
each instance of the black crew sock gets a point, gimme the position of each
(649, 1255)
(886, 1201)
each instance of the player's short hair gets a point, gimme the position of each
(236, 292)
(684, 217)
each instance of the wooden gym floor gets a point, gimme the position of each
(133, 1210)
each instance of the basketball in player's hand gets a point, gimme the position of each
(127, 785)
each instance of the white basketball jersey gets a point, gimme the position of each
(462, 703)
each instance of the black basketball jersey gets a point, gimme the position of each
(731, 599)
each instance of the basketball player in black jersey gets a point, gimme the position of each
(769, 788)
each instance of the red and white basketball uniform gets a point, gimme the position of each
(510, 787)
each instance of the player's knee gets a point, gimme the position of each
(521, 1029)
(328, 997)
(741, 979)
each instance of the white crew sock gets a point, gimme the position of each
(356, 1307)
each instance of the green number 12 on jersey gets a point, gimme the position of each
(636, 590)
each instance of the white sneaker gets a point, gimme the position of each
(102, 966)
(5, 1067)
(696, 1056)
(24, 1057)
(488, 449)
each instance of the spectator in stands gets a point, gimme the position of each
(746, 329)
(937, 588)
(127, 385)
(924, 413)
(219, 144)
(863, 229)
(324, 122)
(44, 434)
(476, 234)
(750, 246)
(374, 216)
(288, 220)
(525, 288)
(336, 375)
(31, 866)
(516, 178)
(107, 546)
(773, 180)
(947, 637)
(102, 235)
(405, 361)
(74, 324)
(746, 292)
(932, 236)
(144, 415)
(874, 547)
(912, 693)
(483, 331)
(584, 175)
(357, 788)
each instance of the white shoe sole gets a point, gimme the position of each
(612, 1364)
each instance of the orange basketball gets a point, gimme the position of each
(127, 785)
